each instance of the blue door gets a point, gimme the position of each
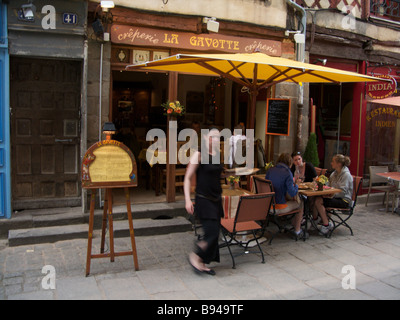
(5, 186)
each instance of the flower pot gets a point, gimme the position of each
(232, 186)
(320, 186)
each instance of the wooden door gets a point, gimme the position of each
(45, 132)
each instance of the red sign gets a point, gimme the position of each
(382, 89)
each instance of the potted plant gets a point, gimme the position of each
(268, 166)
(321, 181)
(311, 152)
(232, 180)
(173, 108)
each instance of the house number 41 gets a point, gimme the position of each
(49, 20)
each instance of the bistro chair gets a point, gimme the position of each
(396, 192)
(280, 220)
(252, 210)
(320, 171)
(378, 183)
(340, 216)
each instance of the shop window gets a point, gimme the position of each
(382, 136)
(334, 105)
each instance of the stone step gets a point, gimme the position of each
(74, 216)
(142, 227)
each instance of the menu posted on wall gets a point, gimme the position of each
(109, 163)
(278, 117)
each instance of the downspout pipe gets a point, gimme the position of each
(300, 40)
(297, 7)
(301, 48)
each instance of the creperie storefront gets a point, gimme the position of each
(141, 36)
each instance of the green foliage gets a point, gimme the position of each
(311, 153)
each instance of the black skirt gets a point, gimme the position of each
(207, 208)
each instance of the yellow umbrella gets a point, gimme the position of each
(255, 71)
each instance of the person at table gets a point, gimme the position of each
(302, 170)
(282, 181)
(208, 201)
(341, 179)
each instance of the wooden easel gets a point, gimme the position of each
(109, 164)
(107, 215)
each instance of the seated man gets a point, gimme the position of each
(282, 181)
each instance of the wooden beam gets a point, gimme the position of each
(170, 175)
(144, 19)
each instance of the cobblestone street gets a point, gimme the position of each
(293, 270)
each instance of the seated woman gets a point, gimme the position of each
(282, 181)
(340, 179)
(302, 170)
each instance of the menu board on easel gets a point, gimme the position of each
(278, 117)
(109, 164)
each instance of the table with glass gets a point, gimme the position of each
(307, 191)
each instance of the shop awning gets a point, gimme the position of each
(264, 70)
(255, 71)
(392, 101)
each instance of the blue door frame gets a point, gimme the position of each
(5, 150)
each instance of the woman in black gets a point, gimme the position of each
(303, 171)
(208, 201)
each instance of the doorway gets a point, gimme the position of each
(45, 100)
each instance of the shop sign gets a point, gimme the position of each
(384, 116)
(382, 89)
(147, 37)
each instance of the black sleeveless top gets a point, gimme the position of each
(208, 190)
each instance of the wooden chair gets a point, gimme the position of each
(378, 183)
(340, 216)
(320, 171)
(251, 211)
(180, 170)
(179, 177)
(279, 219)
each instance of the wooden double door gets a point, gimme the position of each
(45, 100)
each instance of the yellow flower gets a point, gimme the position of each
(233, 179)
(173, 107)
(269, 165)
(322, 179)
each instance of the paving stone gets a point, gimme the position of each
(293, 270)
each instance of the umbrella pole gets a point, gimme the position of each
(253, 102)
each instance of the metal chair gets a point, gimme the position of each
(320, 171)
(251, 211)
(340, 216)
(262, 185)
(396, 192)
(378, 183)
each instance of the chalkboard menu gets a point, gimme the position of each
(109, 163)
(278, 117)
